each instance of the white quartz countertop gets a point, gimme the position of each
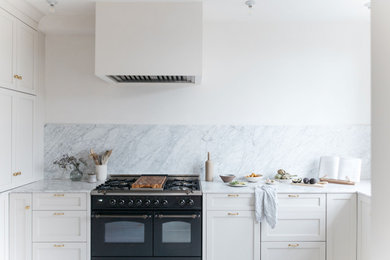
(57, 186)
(217, 186)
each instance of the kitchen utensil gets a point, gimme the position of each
(227, 178)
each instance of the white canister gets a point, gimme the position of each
(92, 178)
(329, 167)
(101, 172)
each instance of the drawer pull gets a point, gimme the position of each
(59, 195)
(27, 207)
(233, 195)
(233, 214)
(293, 196)
(58, 214)
(293, 245)
(17, 173)
(59, 245)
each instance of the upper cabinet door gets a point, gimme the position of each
(7, 50)
(26, 57)
(5, 138)
(23, 138)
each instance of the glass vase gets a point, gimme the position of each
(76, 175)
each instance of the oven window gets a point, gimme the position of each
(176, 232)
(124, 232)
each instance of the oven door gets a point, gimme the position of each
(178, 233)
(122, 233)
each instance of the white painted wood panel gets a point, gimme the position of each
(296, 226)
(364, 227)
(23, 138)
(65, 226)
(292, 251)
(232, 235)
(302, 202)
(7, 43)
(60, 201)
(4, 225)
(5, 138)
(59, 251)
(341, 227)
(20, 226)
(230, 201)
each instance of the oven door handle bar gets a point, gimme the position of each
(193, 216)
(122, 216)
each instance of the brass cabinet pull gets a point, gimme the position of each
(17, 76)
(59, 245)
(58, 214)
(17, 173)
(293, 245)
(233, 195)
(27, 207)
(59, 195)
(20, 77)
(233, 214)
(293, 196)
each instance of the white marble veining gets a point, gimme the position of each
(182, 149)
(364, 187)
(49, 185)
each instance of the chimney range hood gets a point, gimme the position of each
(149, 42)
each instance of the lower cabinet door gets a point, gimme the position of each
(59, 251)
(52, 226)
(232, 235)
(293, 250)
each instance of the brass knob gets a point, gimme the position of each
(20, 77)
(27, 207)
(16, 76)
(59, 245)
(293, 245)
(233, 214)
(17, 173)
(58, 214)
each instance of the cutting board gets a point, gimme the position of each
(151, 182)
(318, 185)
(338, 181)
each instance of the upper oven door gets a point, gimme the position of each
(122, 233)
(178, 233)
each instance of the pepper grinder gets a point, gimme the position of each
(209, 168)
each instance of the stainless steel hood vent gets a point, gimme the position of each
(151, 79)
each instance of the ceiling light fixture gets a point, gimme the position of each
(250, 3)
(52, 5)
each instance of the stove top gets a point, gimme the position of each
(183, 184)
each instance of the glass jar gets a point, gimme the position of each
(76, 175)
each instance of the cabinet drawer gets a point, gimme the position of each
(60, 201)
(293, 250)
(302, 202)
(296, 226)
(52, 226)
(59, 251)
(230, 201)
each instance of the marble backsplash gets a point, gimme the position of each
(182, 149)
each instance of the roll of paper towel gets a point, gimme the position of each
(329, 167)
(350, 169)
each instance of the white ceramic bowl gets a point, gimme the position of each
(253, 179)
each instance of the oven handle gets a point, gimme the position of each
(122, 216)
(193, 216)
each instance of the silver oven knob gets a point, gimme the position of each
(138, 202)
(147, 202)
(156, 202)
(121, 202)
(112, 201)
(165, 202)
(130, 203)
(182, 202)
(190, 202)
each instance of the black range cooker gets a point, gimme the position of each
(147, 224)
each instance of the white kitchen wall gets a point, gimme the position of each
(254, 73)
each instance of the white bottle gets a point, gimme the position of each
(209, 169)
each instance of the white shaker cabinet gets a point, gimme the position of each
(59, 251)
(18, 54)
(20, 226)
(5, 138)
(292, 250)
(232, 235)
(364, 227)
(4, 225)
(341, 226)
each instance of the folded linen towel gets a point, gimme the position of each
(266, 204)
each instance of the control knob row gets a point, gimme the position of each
(138, 202)
(190, 202)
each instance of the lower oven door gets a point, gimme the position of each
(122, 234)
(178, 233)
